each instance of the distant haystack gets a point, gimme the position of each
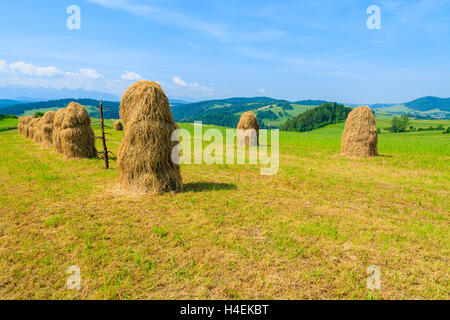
(20, 125)
(360, 136)
(32, 128)
(144, 158)
(38, 131)
(248, 130)
(57, 127)
(118, 126)
(26, 126)
(47, 129)
(77, 136)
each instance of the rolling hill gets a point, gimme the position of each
(226, 112)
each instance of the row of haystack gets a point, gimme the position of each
(67, 131)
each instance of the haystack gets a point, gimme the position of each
(118, 126)
(77, 136)
(20, 125)
(57, 127)
(46, 129)
(144, 158)
(38, 130)
(360, 136)
(26, 126)
(32, 128)
(248, 130)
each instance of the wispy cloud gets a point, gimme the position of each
(131, 76)
(165, 16)
(194, 86)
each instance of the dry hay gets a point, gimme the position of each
(26, 126)
(248, 130)
(47, 129)
(38, 130)
(118, 126)
(360, 134)
(20, 125)
(77, 136)
(57, 127)
(32, 128)
(144, 158)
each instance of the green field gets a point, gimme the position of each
(309, 232)
(8, 124)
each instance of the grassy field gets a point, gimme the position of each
(309, 232)
(8, 124)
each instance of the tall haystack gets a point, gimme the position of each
(20, 125)
(26, 126)
(57, 127)
(118, 126)
(38, 131)
(360, 136)
(32, 128)
(144, 158)
(77, 136)
(47, 129)
(248, 130)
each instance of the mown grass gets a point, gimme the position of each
(311, 231)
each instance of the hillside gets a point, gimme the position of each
(226, 112)
(321, 116)
(426, 107)
(8, 102)
(111, 108)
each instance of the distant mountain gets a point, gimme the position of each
(421, 104)
(45, 93)
(111, 108)
(429, 103)
(7, 102)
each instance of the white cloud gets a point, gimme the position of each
(177, 80)
(3, 66)
(262, 91)
(131, 76)
(30, 70)
(193, 87)
(90, 73)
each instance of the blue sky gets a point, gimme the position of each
(216, 49)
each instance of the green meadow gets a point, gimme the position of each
(309, 232)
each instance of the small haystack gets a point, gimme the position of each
(360, 136)
(144, 158)
(47, 129)
(32, 128)
(118, 126)
(26, 126)
(38, 131)
(20, 125)
(57, 127)
(77, 136)
(248, 130)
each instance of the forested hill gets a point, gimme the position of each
(111, 108)
(321, 116)
(226, 112)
